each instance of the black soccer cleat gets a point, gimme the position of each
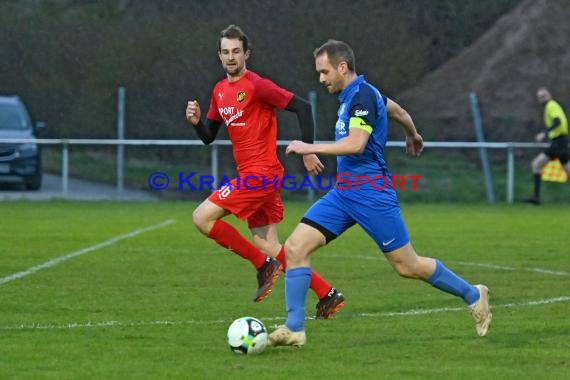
(329, 305)
(266, 277)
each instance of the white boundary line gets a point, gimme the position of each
(489, 266)
(409, 313)
(61, 259)
(503, 267)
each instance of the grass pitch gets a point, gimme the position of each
(93, 290)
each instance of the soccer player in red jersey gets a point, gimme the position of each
(246, 104)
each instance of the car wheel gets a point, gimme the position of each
(34, 182)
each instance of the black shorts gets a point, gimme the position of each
(559, 149)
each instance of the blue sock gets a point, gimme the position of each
(297, 282)
(444, 279)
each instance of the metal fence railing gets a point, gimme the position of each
(509, 148)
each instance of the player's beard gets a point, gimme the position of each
(235, 70)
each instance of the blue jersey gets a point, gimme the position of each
(370, 201)
(362, 106)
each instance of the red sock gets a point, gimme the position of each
(281, 257)
(318, 284)
(228, 237)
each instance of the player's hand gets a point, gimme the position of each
(193, 112)
(298, 147)
(540, 137)
(414, 144)
(312, 163)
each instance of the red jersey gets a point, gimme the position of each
(247, 107)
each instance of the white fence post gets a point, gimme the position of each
(64, 167)
(214, 163)
(121, 94)
(478, 125)
(313, 102)
(510, 174)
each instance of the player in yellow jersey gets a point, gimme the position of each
(556, 124)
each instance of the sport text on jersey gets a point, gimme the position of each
(230, 114)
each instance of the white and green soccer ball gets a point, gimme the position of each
(247, 335)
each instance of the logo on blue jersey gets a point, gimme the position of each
(340, 128)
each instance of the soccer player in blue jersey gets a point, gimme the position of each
(361, 131)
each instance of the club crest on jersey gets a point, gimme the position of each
(241, 96)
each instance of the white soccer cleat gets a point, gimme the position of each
(282, 336)
(481, 312)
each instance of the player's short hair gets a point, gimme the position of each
(234, 32)
(337, 52)
(543, 95)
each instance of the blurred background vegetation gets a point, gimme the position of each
(67, 58)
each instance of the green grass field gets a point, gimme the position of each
(139, 294)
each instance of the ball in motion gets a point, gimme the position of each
(247, 335)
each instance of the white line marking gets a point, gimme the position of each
(61, 259)
(446, 309)
(490, 266)
(502, 267)
(409, 313)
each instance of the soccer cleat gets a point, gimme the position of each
(329, 305)
(282, 336)
(481, 312)
(266, 277)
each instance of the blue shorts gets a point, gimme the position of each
(376, 211)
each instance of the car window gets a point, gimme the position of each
(13, 117)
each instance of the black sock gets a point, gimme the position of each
(537, 182)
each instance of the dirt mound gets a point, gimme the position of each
(527, 48)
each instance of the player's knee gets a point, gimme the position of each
(294, 252)
(200, 222)
(535, 167)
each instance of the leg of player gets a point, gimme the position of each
(536, 165)
(207, 218)
(408, 264)
(303, 241)
(266, 238)
(330, 299)
(566, 167)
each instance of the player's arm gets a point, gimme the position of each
(360, 125)
(206, 131)
(414, 141)
(354, 143)
(302, 109)
(541, 136)
(555, 123)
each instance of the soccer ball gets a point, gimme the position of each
(247, 335)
